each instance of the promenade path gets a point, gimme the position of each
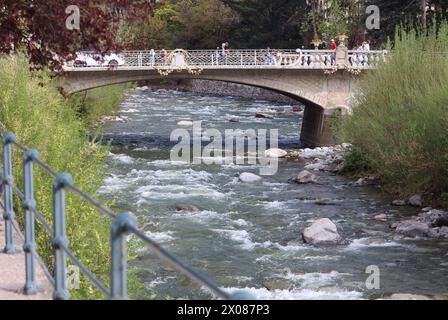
(12, 273)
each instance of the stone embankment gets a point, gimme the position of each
(220, 88)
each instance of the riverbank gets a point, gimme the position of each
(58, 128)
(428, 223)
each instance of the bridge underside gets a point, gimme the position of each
(320, 93)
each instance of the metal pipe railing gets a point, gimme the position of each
(122, 225)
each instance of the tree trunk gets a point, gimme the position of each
(423, 7)
(313, 7)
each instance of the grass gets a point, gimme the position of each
(44, 120)
(399, 126)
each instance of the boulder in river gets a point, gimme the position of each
(275, 153)
(413, 228)
(407, 296)
(249, 177)
(416, 200)
(367, 181)
(381, 217)
(305, 177)
(443, 232)
(277, 285)
(187, 207)
(263, 116)
(398, 203)
(437, 218)
(322, 232)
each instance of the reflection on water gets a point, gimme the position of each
(248, 236)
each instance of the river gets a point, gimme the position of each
(248, 236)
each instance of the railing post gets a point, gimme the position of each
(59, 237)
(28, 204)
(8, 180)
(119, 229)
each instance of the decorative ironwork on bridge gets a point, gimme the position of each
(195, 61)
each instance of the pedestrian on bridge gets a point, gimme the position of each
(164, 57)
(267, 57)
(224, 52)
(152, 57)
(333, 47)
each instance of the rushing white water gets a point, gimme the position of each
(248, 236)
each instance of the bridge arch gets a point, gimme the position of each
(319, 92)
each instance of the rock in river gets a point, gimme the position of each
(249, 177)
(275, 153)
(187, 207)
(416, 200)
(305, 177)
(413, 228)
(263, 116)
(322, 232)
(381, 217)
(407, 296)
(398, 203)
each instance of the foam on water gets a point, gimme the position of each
(297, 294)
(122, 158)
(160, 236)
(243, 237)
(365, 243)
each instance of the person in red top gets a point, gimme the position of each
(333, 46)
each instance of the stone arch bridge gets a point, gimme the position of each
(323, 80)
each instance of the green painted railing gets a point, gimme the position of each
(122, 225)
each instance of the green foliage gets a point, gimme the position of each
(182, 24)
(265, 23)
(42, 119)
(356, 162)
(396, 12)
(95, 103)
(399, 124)
(337, 21)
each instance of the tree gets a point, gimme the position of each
(39, 27)
(326, 18)
(414, 13)
(192, 24)
(267, 23)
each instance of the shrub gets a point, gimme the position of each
(399, 126)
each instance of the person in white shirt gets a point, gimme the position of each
(224, 48)
(366, 46)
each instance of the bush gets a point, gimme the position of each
(42, 119)
(399, 124)
(96, 103)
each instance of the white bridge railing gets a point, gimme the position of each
(240, 59)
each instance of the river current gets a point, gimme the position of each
(248, 236)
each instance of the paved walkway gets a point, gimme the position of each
(12, 273)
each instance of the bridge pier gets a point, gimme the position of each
(316, 127)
